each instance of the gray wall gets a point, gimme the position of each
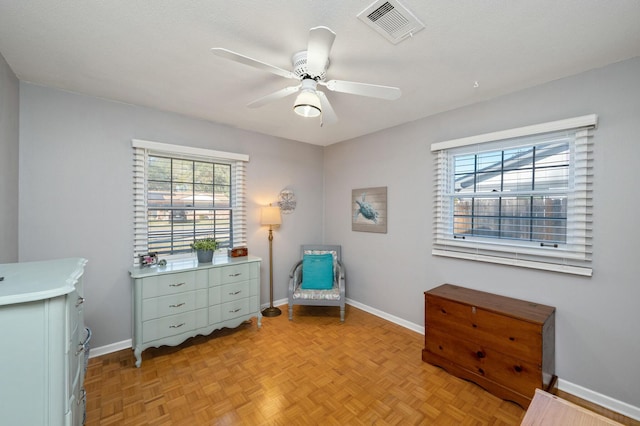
(597, 337)
(9, 106)
(76, 191)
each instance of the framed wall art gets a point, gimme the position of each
(369, 209)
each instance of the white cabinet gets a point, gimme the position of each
(44, 342)
(183, 299)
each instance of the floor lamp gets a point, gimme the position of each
(270, 216)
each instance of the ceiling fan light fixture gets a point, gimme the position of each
(307, 104)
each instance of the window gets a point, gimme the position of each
(519, 197)
(182, 194)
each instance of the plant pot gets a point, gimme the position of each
(205, 256)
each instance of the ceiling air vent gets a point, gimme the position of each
(391, 20)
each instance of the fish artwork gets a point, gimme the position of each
(366, 210)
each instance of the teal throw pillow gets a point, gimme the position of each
(317, 271)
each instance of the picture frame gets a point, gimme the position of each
(369, 209)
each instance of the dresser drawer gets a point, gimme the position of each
(161, 285)
(234, 273)
(168, 326)
(235, 309)
(235, 291)
(172, 304)
(486, 361)
(506, 334)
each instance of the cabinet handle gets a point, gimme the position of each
(517, 368)
(80, 301)
(176, 285)
(80, 350)
(235, 310)
(177, 326)
(83, 396)
(480, 354)
(177, 306)
(237, 274)
(235, 292)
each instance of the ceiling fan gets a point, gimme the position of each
(310, 69)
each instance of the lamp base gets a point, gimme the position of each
(271, 311)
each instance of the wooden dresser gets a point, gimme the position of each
(505, 345)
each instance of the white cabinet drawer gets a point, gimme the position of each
(172, 304)
(229, 292)
(162, 285)
(168, 326)
(235, 309)
(234, 273)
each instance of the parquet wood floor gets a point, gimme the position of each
(311, 371)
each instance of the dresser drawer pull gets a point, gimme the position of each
(83, 396)
(233, 293)
(480, 354)
(177, 326)
(177, 306)
(237, 274)
(177, 284)
(80, 301)
(517, 368)
(235, 310)
(80, 350)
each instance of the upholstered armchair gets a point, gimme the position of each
(318, 278)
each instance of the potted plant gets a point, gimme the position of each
(204, 249)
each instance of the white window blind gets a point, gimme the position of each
(519, 197)
(175, 211)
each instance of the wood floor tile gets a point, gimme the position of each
(309, 371)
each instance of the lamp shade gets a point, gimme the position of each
(307, 104)
(270, 216)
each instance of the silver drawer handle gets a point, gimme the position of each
(83, 396)
(80, 350)
(237, 274)
(177, 306)
(234, 311)
(176, 285)
(235, 292)
(80, 301)
(177, 326)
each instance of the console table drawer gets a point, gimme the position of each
(161, 285)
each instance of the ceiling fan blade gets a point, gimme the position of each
(318, 48)
(328, 114)
(273, 96)
(363, 89)
(236, 57)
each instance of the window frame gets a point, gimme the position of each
(142, 149)
(574, 257)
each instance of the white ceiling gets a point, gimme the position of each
(156, 53)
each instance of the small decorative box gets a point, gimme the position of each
(238, 252)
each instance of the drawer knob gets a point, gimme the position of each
(80, 301)
(518, 368)
(237, 274)
(233, 293)
(481, 371)
(443, 310)
(80, 350)
(177, 305)
(176, 284)
(177, 326)
(235, 310)
(480, 354)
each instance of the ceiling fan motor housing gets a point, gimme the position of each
(299, 61)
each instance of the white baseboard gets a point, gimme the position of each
(600, 399)
(113, 347)
(577, 390)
